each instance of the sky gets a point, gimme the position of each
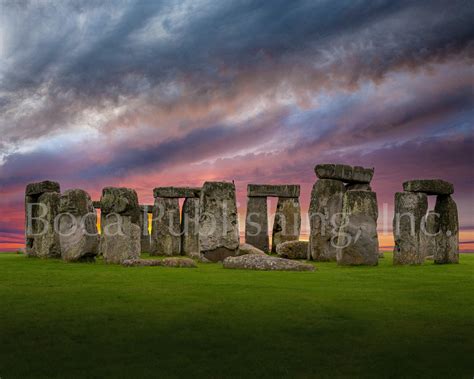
(145, 94)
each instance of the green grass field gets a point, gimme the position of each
(95, 320)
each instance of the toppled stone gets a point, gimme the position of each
(36, 189)
(245, 248)
(177, 192)
(293, 250)
(190, 228)
(218, 221)
(447, 239)
(256, 223)
(166, 228)
(273, 190)
(325, 207)
(78, 236)
(287, 223)
(430, 186)
(345, 173)
(357, 238)
(265, 263)
(410, 208)
(167, 262)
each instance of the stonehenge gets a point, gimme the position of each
(343, 216)
(419, 234)
(287, 222)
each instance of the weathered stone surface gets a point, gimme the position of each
(177, 192)
(245, 248)
(121, 200)
(265, 263)
(287, 223)
(345, 173)
(145, 240)
(146, 208)
(428, 231)
(166, 228)
(78, 236)
(167, 262)
(120, 239)
(410, 208)
(36, 189)
(42, 240)
(358, 187)
(190, 228)
(357, 238)
(324, 218)
(218, 221)
(293, 250)
(447, 239)
(96, 204)
(256, 223)
(429, 186)
(273, 190)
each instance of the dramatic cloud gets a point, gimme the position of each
(149, 93)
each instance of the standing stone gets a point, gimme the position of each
(166, 228)
(121, 224)
(78, 235)
(256, 223)
(145, 239)
(428, 232)
(41, 209)
(447, 240)
(357, 239)
(325, 207)
(218, 221)
(410, 209)
(287, 224)
(190, 228)
(120, 240)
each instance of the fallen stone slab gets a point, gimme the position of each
(246, 248)
(429, 186)
(293, 250)
(273, 190)
(265, 263)
(177, 192)
(167, 262)
(345, 173)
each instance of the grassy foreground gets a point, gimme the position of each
(94, 320)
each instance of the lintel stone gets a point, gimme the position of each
(273, 190)
(176, 192)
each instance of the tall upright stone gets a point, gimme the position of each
(324, 217)
(41, 209)
(357, 238)
(190, 228)
(218, 221)
(428, 232)
(121, 224)
(166, 227)
(287, 223)
(410, 209)
(78, 236)
(447, 239)
(145, 238)
(256, 223)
